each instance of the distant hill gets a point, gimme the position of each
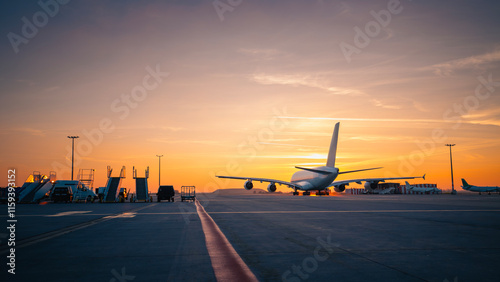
(240, 191)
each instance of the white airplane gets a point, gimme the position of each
(387, 191)
(319, 178)
(479, 189)
(421, 189)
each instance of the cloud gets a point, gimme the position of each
(419, 106)
(371, 119)
(378, 103)
(467, 119)
(171, 128)
(296, 80)
(382, 138)
(169, 141)
(485, 117)
(308, 157)
(260, 53)
(32, 131)
(26, 82)
(478, 61)
(52, 89)
(288, 145)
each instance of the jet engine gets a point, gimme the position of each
(370, 186)
(271, 188)
(340, 188)
(248, 185)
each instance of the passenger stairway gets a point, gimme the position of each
(112, 190)
(141, 187)
(36, 186)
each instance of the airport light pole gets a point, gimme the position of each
(72, 153)
(453, 192)
(159, 169)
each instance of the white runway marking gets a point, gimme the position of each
(56, 233)
(122, 215)
(359, 211)
(68, 213)
(86, 213)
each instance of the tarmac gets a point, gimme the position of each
(278, 238)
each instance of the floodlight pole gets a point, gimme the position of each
(453, 192)
(159, 169)
(73, 153)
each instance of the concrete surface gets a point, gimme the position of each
(280, 238)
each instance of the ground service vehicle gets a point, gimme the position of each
(122, 195)
(188, 193)
(71, 191)
(165, 192)
(62, 194)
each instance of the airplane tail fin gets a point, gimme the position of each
(332, 154)
(465, 184)
(407, 184)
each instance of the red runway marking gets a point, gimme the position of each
(227, 264)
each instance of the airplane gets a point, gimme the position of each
(319, 178)
(421, 189)
(387, 191)
(479, 189)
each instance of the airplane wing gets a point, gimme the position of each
(280, 182)
(382, 179)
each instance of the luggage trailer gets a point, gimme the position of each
(188, 193)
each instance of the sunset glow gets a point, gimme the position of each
(253, 92)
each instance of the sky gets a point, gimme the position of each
(250, 88)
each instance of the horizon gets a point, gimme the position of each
(251, 89)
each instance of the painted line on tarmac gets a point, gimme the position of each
(258, 212)
(360, 211)
(67, 213)
(101, 214)
(56, 233)
(227, 264)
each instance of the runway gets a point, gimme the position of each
(278, 237)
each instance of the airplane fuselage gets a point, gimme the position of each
(423, 190)
(482, 188)
(309, 180)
